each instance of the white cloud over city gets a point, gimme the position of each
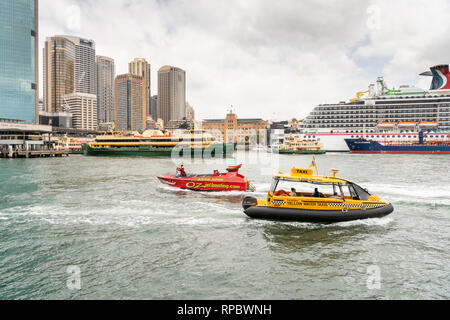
(269, 59)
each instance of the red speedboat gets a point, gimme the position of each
(230, 181)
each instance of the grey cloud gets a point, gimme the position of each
(267, 58)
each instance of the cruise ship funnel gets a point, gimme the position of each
(441, 77)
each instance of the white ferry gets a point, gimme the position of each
(384, 115)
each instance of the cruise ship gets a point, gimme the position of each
(382, 114)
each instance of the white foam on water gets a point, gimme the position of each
(413, 193)
(380, 222)
(133, 213)
(416, 191)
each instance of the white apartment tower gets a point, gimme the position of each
(83, 107)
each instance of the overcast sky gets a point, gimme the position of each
(269, 59)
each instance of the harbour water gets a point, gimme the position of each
(130, 237)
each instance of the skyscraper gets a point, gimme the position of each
(130, 97)
(105, 89)
(83, 107)
(85, 71)
(59, 72)
(69, 67)
(140, 67)
(19, 94)
(171, 93)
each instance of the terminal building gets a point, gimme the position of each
(235, 130)
(24, 140)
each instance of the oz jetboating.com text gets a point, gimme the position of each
(225, 310)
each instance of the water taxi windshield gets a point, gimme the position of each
(317, 189)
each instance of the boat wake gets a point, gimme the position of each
(376, 222)
(430, 195)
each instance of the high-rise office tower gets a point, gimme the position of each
(140, 67)
(105, 89)
(83, 107)
(59, 72)
(69, 66)
(130, 107)
(171, 93)
(19, 94)
(85, 71)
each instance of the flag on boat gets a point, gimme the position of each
(313, 164)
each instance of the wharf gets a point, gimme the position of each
(33, 154)
(22, 140)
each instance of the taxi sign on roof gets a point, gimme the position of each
(306, 175)
(302, 172)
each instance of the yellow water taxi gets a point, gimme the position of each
(302, 196)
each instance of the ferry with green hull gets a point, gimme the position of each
(158, 144)
(305, 152)
(294, 145)
(72, 145)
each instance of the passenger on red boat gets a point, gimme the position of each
(216, 173)
(181, 171)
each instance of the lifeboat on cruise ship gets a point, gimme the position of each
(407, 124)
(386, 125)
(428, 124)
(302, 196)
(229, 181)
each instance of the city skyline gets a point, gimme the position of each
(291, 61)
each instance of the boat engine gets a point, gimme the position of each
(249, 202)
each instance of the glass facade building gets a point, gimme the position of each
(19, 93)
(59, 68)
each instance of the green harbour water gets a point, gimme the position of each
(134, 238)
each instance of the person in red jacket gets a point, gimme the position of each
(181, 171)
